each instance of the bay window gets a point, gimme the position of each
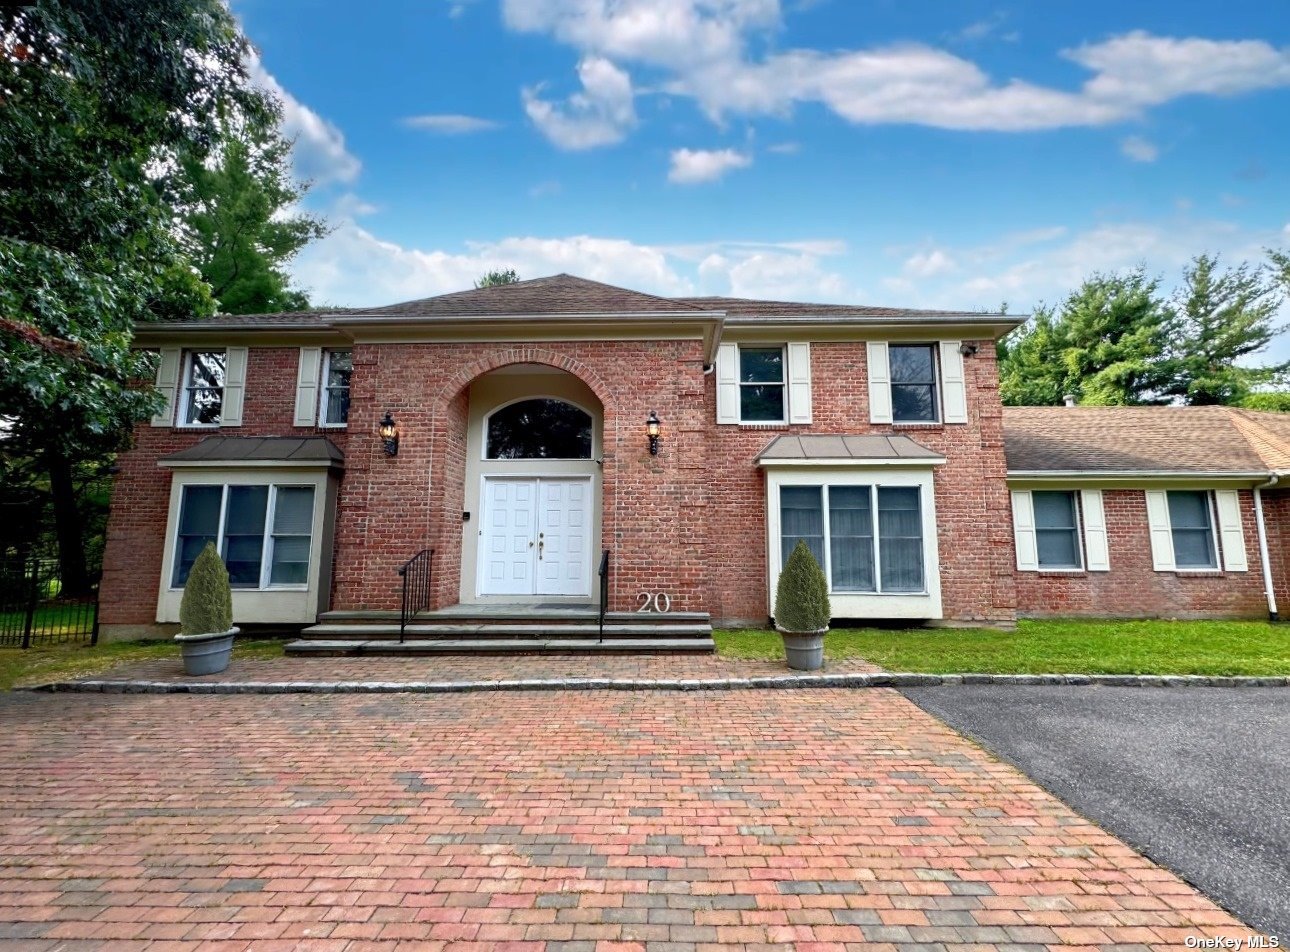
(263, 532)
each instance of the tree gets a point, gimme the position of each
(241, 231)
(1103, 345)
(100, 102)
(1276, 401)
(1221, 318)
(493, 278)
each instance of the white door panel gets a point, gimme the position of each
(535, 537)
(508, 538)
(562, 537)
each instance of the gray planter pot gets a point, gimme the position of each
(805, 649)
(206, 654)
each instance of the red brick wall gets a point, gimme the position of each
(141, 491)
(972, 504)
(1132, 588)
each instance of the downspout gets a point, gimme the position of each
(1263, 546)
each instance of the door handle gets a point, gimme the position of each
(540, 545)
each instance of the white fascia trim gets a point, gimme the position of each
(853, 463)
(1083, 474)
(248, 464)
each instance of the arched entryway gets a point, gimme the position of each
(532, 488)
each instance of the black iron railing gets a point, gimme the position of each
(35, 608)
(604, 590)
(416, 587)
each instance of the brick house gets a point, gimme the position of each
(518, 449)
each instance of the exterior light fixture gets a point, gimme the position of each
(653, 427)
(968, 350)
(390, 434)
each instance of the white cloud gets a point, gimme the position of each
(320, 154)
(927, 264)
(451, 124)
(704, 50)
(785, 148)
(693, 166)
(1139, 149)
(602, 114)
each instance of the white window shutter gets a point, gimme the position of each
(728, 383)
(1230, 530)
(1097, 551)
(168, 384)
(1023, 531)
(799, 383)
(307, 380)
(879, 383)
(234, 387)
(953, 385)
(1162, 539)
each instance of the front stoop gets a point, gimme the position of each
(511, 629)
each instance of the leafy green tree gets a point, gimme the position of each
(1104, 345)
(493, 278)
(1277, 401)
(100, 102)
(1222, 317)
(241, 229)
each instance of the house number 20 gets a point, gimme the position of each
(654, 602)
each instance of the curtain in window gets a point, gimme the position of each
(851, 538)
(292, 523)
(801, 514)
(1055, 534)
(244, 534)
(1193, 532)
(900, 534)
(198, 524)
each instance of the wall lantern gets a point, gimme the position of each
(653, 427)
(390, 434)
(968, 350)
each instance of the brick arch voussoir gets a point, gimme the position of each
(530, 355)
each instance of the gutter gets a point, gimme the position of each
(1129, 474)
(1263, 546)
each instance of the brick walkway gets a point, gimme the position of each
(588, 820)
(476, 668)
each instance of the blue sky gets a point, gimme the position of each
(935, 154)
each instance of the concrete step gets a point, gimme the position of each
(501, 615)
(534, 630)
(338, 647)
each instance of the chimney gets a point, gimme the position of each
(1068, 399)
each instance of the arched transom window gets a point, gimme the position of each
(542, 428)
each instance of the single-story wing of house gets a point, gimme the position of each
(564, 443)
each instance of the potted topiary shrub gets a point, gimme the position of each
(802, 609)
(206, 616)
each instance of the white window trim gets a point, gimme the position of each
(266, 542)
(783, 383)
(1217, 568)
(894, 605)
(1083, 568)
(938, 384)
(185, 392)
(323, 422)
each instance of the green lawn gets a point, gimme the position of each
(40, 665)
(1052, 647)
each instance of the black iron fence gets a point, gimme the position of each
(35, 610)
(416, 588)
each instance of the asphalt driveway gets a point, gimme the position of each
(581, 821)
(1198, 779)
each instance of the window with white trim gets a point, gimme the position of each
(762, 386)
(202, 398)
(855, 557)
(1057, 529)
(914, 383)
(263, 532)
(1191, 524)
(338, 367)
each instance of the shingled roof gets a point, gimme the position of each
(1145, 440)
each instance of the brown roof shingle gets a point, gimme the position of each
(1145, 440)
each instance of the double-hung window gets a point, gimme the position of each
(1057, 530)
(914, 383)
(1191, 523)
(761, 385)
(338, 366)
(858, 552)
(263, 532)
(205, 373)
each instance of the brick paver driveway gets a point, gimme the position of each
(580, 820)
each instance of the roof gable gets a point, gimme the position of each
(558, 294)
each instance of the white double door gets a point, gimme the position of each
(535, 536)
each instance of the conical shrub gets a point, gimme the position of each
(802, 595)
(207, 605)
